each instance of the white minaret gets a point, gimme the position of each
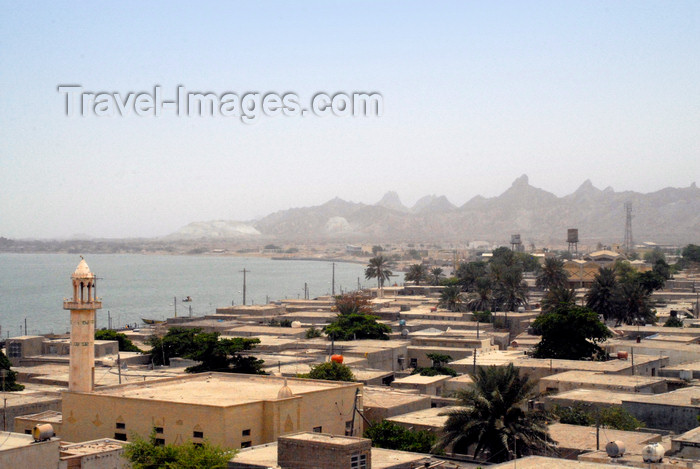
(83, 307)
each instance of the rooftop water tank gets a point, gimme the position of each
(653, 453)
(42, 432)
(337, 358)
(615, 449)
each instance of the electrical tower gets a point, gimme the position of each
(629, 241)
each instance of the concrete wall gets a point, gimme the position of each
(14, 411)
(42, 455)
(678, 419)
(94, 416)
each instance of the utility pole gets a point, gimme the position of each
(474, 366)
(109, 320)
(119, 367)
(244, 282)
(175, 303)
(333, 287)
(26, 331)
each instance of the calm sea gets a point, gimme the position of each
(133, 286)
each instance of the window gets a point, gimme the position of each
(348, 428)
(358, 461)
(414, 363)
(15, 350)
(196, 434)
(158, 430)
(121, 426)
(160, 442)
(318, 429)
(28, 431)
(246, 432)
(120, 436)
(246, 444)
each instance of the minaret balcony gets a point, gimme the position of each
(85, 305)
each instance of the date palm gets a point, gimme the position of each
(436, 274)
(451, 298)
(552, 274)
(378, 268)
(558, 296)
(492, 420)
(602, 296)
(510, 289)
(416, 273)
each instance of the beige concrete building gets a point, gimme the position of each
(570, 380)
(19, 450)
(315, 450)
(228, 409)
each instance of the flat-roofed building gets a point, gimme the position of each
(96, 454)
(570, 380)
(381, 402)
(431, 385)
(20, 450)
(232, 410)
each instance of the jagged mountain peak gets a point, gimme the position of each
(433, 203)
(392, 201)
(522, 181)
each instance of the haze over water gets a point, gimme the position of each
(134, 286)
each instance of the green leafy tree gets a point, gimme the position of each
(619, 418)
(492, 418)
(376, 249)
(552, 275)
(654, 256)
(355, 321)
(528, 261)
(438, 367)
(468, 273)
(650, 280)
(330, 371)
(661, 268)
(214, 353)
(313, 332)
(570, 332)
(10, 380)
(451, 298)
(390, 435)
(505, 256)
(691, 253)
(436, 274)
(148, 454)
(673, 321)
(602, 296)
(416, 273)
(125, 344)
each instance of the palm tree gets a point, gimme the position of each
(436, 274)
(552, 274)
(511, 289)
(558, 296)
(493, 421)
(451, 298)
(634, 304)
(602, 296)
(482, 299)
(416, 273)
(378, 268)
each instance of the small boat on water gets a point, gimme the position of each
(187, 299)
(152, 321)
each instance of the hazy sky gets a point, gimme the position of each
(475, 94)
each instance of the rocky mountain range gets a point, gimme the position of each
(670, 215)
